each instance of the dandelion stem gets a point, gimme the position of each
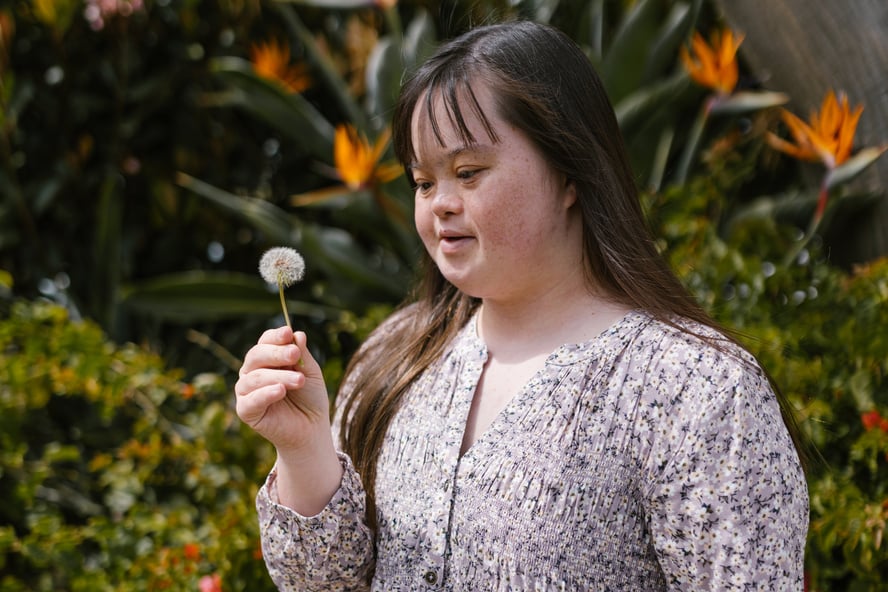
(301, 363)
(284, 304)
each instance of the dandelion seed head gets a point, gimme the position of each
(282, 265)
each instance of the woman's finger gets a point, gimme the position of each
(266, 355)
(252, 408)
(279, 336)
(263, 377)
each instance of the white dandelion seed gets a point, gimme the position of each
(282, 266)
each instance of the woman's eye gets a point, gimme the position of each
(467, 173)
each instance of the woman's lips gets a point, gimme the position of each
(452, 242)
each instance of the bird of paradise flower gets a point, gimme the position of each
(357, 164)
(271, 60)
(827, 138)
(714, 66)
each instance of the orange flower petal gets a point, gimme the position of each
(271, 60)
(713, 66)
(846, 135)
(389, 172)
(357, 163)
(778, 143)
(829, 135)
(349, 156)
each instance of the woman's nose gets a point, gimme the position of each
(446, 201)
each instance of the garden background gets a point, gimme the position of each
(152, 150)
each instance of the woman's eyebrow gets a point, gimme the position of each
(450, 155)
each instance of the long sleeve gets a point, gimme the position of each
(728, 502)
(330, 551)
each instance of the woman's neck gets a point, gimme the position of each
(517, 330)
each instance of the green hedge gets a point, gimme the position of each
(116, 473)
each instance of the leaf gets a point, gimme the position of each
(790, 207)
(288, 113)
(329, 197)
(675, 29)
(208, 296)
(334, 251)
(323, 65)
(747, 101)
(383, 78)
(275, 223)
(637, 107)
(854, 165)
(537, 10)
(861, 387)
(419, 40)
(625, 60)
(344, 258)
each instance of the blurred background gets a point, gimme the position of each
(152, 150)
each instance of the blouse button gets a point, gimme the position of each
(430, 577)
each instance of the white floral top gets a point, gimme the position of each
(641, 460)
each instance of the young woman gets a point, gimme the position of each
(551, 410)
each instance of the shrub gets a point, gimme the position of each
(116, 473)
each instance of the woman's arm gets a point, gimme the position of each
(728, 504)
(312, 506)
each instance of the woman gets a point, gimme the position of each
(551, 411)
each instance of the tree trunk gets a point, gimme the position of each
(807, 47)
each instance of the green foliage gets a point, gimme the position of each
(117, 474)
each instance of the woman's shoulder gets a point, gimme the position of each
(683, 347)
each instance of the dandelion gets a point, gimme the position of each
(282, 266)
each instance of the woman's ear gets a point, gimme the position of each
(570, 193)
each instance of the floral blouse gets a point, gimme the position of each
(643, 459)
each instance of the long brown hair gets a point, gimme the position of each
(545, 86)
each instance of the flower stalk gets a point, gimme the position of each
(282, 266)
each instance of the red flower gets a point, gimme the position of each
(191, 552)
(211, 583)
(870, 419)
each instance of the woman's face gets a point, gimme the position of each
(495, 217)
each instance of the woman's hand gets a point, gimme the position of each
(281, 393)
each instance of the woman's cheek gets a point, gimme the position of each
(423, 220)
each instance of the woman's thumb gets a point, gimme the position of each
(306, 361)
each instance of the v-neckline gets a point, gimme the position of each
(564, 354)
